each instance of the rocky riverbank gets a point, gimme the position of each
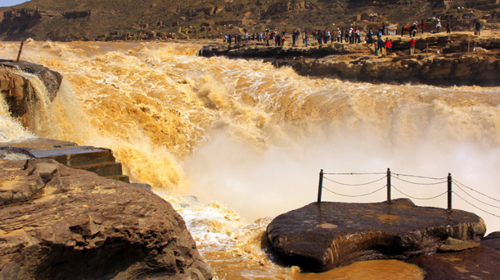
(457, 59)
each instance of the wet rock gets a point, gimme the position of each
(477, 263)
(17, 90)
(453, 244)
(63, 223)
(492, 240)
(321, 237)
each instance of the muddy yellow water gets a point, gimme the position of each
(233, 143)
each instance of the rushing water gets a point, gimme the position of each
(231, 143)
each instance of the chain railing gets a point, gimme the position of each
(416, 180)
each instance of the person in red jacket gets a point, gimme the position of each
(412, 46)
(423, 26)
(388, 46)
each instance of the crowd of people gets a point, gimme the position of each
(352, 35)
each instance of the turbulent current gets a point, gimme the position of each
(233, 143)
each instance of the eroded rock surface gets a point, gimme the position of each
(477, 263)
(492, 240)
(61, 223)
(319, 237)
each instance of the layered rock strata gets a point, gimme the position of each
(452, 69)
(319, 237)
(62, 223)
(439, 60)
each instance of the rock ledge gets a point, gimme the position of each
(319, 237)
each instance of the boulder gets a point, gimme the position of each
(17, 90)
(319, 237)
(63, 223)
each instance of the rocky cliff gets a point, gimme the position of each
(442, 59)
(63, 223)
(67, 20)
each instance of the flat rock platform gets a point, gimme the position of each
(97, 160)
(319, 237)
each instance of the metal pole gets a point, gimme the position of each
(320, 186)
(449, 191)
(20, 50)
(388, 185)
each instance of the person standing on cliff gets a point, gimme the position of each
(380, 45)
(369, 37)
(388, 46)
(306, 38)
(438, 25)
(423, 26)
(412, 46)
(357, 33)
(478, 27)
(448, 27)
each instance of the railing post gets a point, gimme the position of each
(449, 191)
(388, 186)
(320, 186)
(20, 50)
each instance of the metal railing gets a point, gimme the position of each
(429, 181)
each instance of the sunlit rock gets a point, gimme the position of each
(19, 92)
(62, 223)
(319, 237)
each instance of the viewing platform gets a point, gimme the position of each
(97, 160)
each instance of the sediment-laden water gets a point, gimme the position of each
(232, 143)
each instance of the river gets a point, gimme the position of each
(233, 143)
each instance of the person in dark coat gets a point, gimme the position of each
(380, 45)
(478, 27)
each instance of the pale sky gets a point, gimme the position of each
(8, 3)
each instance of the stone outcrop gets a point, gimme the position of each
(451, 69)
(319, 237)
(17, 90)
(439, 60)
(478, 263)
(97, 160)
(62, 223)
(261, 51)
